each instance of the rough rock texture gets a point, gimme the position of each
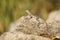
(29, 25)
(26, 28)
(54, 23)
(34, 28)
(21, 36)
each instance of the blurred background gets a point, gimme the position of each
(11, 10)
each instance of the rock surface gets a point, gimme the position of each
(26, 28)
(54, 23)
(29, 25)
(34, 28)
(21, 36)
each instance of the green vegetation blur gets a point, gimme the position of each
(11, 10)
